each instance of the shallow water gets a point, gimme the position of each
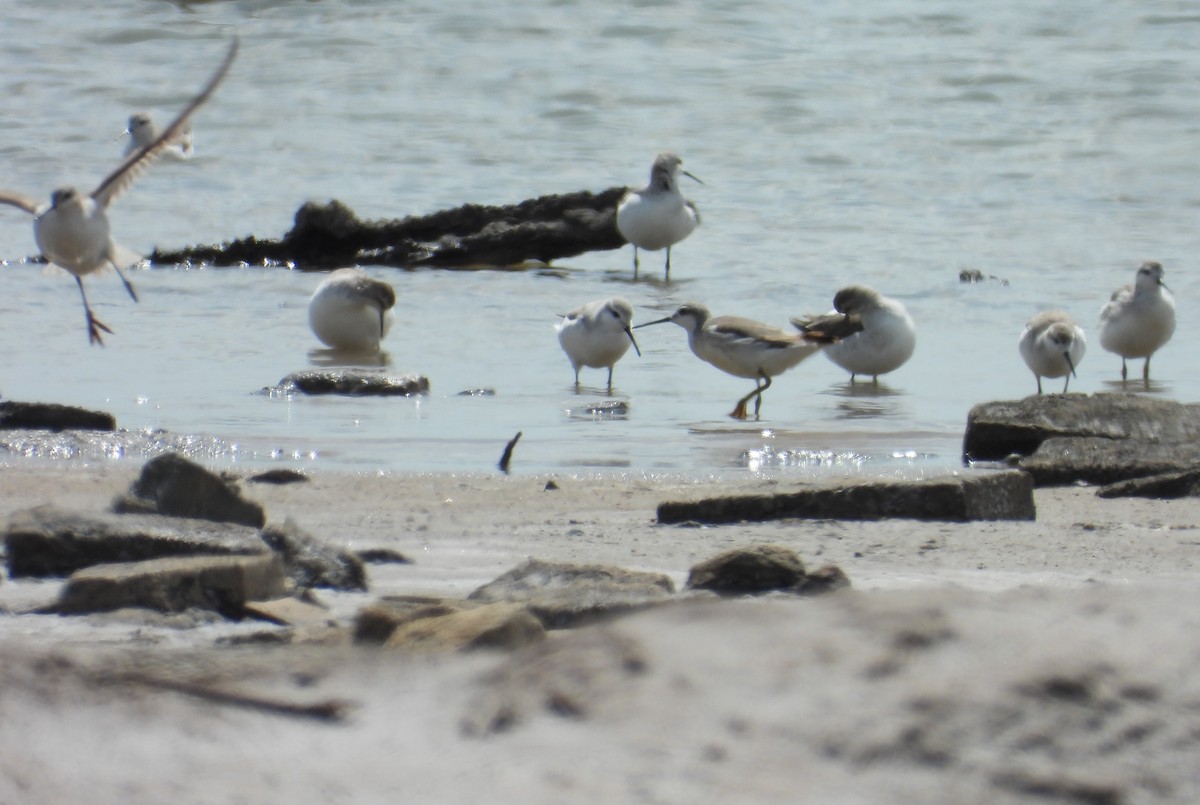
(895, 145)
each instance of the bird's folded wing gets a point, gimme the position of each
(748, 330)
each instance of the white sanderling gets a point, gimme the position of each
(351, 311)
(1139, 318)
(751, 349)
(657, 215)
(142, 132)
(886, 341)
(73, 230)
(597, 335)
(1052, 345)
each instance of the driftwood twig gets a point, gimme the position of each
(508, 449)
(331, 710)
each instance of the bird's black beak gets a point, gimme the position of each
(692, 176)
(647, 324)
(636, 349)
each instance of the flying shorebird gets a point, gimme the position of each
(1139, 318)
(751, 349)
(658, 215)
(886, 341)
(1052, 345)
(73, 232)
(351, 310)
(597, 335)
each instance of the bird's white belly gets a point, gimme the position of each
(1138, 330)
(592, 348)
(883, 346)
(80, 244)
(748, 358)
(656, 221)
(345, 323)
(1047, 359)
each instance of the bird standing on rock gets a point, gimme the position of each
(657, 215)
(751, 349)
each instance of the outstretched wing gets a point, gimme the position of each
(17, 200)
(120, 180)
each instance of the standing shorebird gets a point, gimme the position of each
(886, 341)
(751, 349)
(73, 230)
(1052, 345)
(141, 132)
(597, 335)
(1139, 318)
(351, 310)
(657, 215)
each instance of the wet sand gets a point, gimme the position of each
(999, 662)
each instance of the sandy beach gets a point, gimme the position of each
(981, 662)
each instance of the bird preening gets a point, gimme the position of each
(351, 311)
(886, 338)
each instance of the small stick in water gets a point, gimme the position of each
(507, 455)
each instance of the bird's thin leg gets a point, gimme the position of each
(635, 262)
(1066, 383)
(124, 279)
(1124, 371)
(577, 378)
(610, 380)
(667, 272)
(739, 410)
(758, 398)
(1146, 372)
(94, 325)
(1039, 381)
